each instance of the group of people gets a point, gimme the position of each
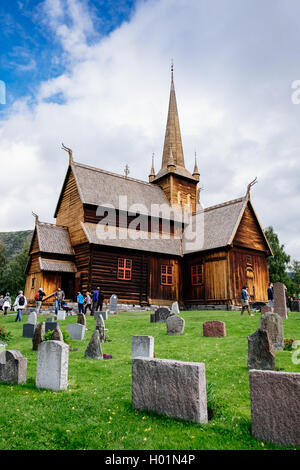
(92, 301)
(245, 296)
(19, 304)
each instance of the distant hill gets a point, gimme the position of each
(14, 242)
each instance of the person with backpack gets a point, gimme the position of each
(39, 299)
(20, 304)
(6, 303)
(245, 301)
(59, 298)
(1, 302)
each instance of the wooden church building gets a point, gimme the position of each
(148, 260)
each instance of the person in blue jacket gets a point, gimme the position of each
(245, 301)
(80, 300)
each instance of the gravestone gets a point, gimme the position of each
(113, 304)
(214, 328)
(49, 319)
(280, 299)
(272, 323)
(52, 365)
(28, 330)
(100, 326)
(104, 314)
(97, 315)
(13, 367)
(81, 319)
(160, 315)
(94, 351)
(175, 325)
(275, 409)
(38, 336)
(57, 335)
(174, 388)
(52, 325)
(260, 351)
(142, 346)
(76, 331)
(32, 319)
(265, 309)
(295, 306)
(61, 315)
(175, 308)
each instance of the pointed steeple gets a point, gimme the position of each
(196, 173)
(152, 171)
(171, 163)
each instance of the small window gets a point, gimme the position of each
(197, 275)
(32, 282)
(249, 261)
(124, 269)
(166, 275)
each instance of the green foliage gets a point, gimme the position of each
(288, 344)
(12, 275)
(14, 242)
(5, 335)
(48, 335)
(211, 399)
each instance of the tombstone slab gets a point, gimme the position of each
(61, 315)
(113, 304)
(100, 327)
(265, 309)
(214, 328)
(260, 351)
(174, 388)
(52, 325)
(160, 315)
(175, 325)
(175, 308)
(272, 323)
(57, 335)
(32, 318)
(52, 366)
(280, 299)
(275, 408)
(13, 367)
(38, 336)
(295, 306)
(142, 346)
(28, 330)
(76, 331)
(81, 319)
(104, 314)
(94, 351)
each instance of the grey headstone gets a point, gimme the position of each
(81, 319)
(94, 351)
(52, 365)
(104, 314)
(57, 335)
(260, 351)
(101, 328)
(97, 315)
(13, 367)
(175, 325)
(275, 406)
(265, 308)
(76, 331)
(160, 315)
(175, 308)
(142, 346)
(295, 306)
(51, 325)
(272, 323)
(32, 318)
(280, 306)
(38, 336)
(28, 330)
(61, 315)
(49, 319)
(173, 388)
(113, 304)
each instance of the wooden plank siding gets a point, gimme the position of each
(165, 294)
(83, 265)
(249, 234)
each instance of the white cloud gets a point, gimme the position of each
(233, 76)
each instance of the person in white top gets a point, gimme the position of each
(20, 304)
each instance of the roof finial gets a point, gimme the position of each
(152, 171)
(36, 217)
(196, 173)
(126, 171)
(252, 183)
(172, 70)
(69, 152)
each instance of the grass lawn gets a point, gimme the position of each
(96, 413)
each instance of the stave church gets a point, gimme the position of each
(143, 255)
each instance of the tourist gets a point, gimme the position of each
(66, 308)
(20, 304)
(88, 303)
(245, 301)
(1, 302)
(6, 303)
(80, 300)
(59, 297)
(95, 300)
(99, 302)
(270, 295)
(39, 299)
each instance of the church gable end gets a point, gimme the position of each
(249, 233)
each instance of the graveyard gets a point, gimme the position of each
(95, 410)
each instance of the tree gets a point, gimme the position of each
(279, 262)
(15, 273)
(3, 266)
(295, 276)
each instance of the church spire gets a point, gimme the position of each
(173, 136)
(196, 173)
(152, 171)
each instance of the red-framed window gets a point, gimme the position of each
(124, 269)
(197, 274)
(166, 275)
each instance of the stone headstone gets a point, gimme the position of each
(97, 314)
(174, 388)
(13, 367)
(272, 323)
(100, 326)
(142, 346)
(275, 408)
(38, 335)
(175, 325)
(295, 306)
(265, 308)
(61, 315)
(52, 325)
(113, 304)
(280, 299)
(175, 308)
(57, 335)
(104, 314)
(28, 330)
(49, 319)
(260, 351)
(32, 318)
(214, 328)
(94, 351)
(160, 315)
(81, 319)
(76, 331)
(52, 365)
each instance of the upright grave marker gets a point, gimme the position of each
(52, 365)
(160, 315)
(38, 336)
(272, 323)
(280, 299)
(142, 346)
(260, 351)
(29, 327)
(214, 328)
(175, 325)
(94, 351)
(113, 304)
(76, 331)
(13, 367)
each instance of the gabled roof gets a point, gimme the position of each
(53, 239)
(57, 266)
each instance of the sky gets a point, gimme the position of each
(95, 75)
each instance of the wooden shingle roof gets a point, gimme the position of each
(53, 239)
(57, 266)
